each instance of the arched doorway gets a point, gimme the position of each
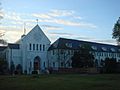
(36, 63)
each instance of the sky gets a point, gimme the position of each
(88, 20)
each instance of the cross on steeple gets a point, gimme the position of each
(37, 21)
(24, 28)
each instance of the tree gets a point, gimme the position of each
(19, 69)
(1, 12)
(116, 31)
(2, 41)
(83, 57)
(110, 65)
(3, 66)
(12, 67)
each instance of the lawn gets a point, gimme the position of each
(61, 82)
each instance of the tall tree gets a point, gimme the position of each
(12, 67)
(110, 65)
(1, 13)
(2, 41)
(116, 31)
(3, 66)
(83, 57)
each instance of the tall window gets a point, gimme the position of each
(61, 64)
(68, 52)
(44, 64)
(36, 46)
(53, 64)
(30, 46)
(53, 52)
(40, 47)
(33, 46)
(43, 47)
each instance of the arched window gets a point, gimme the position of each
(30, 46)
(43, 47)
(33, 46)
(37, 47)
(94, 47)
(53, 64)
(104, 48)
(112, 49)
(44, 64)
(69, 45)
(40, 47)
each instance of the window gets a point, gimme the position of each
(33, 46)
(44, 64)
(53, 52)
(94, 47)
(40, 47)
(61, 51)
(30, 46)
(101, 54)
(43, 47)
(68, 52)
(36, 46)
(104, 49)
(61, 64)
(53, 64)
(112, 49)
(69, 45)
(69, 64)
(79, 45)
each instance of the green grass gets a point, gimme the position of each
(61, 82)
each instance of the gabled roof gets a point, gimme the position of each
(35, 29)
(63, 43)
(13, 46)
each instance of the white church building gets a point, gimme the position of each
(30, 51)
(34, 52)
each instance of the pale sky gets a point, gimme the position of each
(90, 20)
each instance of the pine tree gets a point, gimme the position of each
(116, 31)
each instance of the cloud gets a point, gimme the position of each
(78, 17)
(106, 41)
(54, 35)
(72, 23)
(51, 18)
(50, 27)
(45, 25)
(54, 16)
(13, 35)
(60, 13)
(1, 13)
(65, 34)
(13, 16)
(43, 16)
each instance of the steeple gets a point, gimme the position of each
(24, 32)
(24, 29)
(37, 21)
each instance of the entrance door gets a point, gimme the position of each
(36, 63)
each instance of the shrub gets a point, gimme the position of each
(34, 72)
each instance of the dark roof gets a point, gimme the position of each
(2, 48)
(13, 46)
(63, 43)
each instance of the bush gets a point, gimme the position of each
(110, 65)
(19, 69)
(3, 66)
(34, 72)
